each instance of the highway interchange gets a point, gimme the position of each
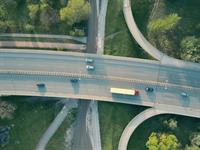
(21, 70)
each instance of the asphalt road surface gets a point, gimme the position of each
(81, 140)
(57, 70)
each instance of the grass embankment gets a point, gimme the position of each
(30, 121)
(118, 40)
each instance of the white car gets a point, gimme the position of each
(90, 67)
(184, 94)
(89, 60)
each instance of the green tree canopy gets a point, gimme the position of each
(190, 47)
(76, 11)
(162, 142)
(33, 11)
(7, 9)
(164, 24)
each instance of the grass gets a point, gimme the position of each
(31, 120)
(118, 40)
(113, 119)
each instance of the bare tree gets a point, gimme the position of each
(6, 110)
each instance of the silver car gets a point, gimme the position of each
(89, 60)
(184, 94)
(90, 67)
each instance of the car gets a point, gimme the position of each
(149, 89)
(184, 94)
(40, 85)
(90, 67)
(89, 60)
(74, 80)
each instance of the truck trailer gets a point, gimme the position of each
(124, 91)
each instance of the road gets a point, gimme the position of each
(101, 26)
(92, 27)
(81, 140)
(47, 45)
(21, 70)
(142, 41)
(44, 36)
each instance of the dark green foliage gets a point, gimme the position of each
(167, 31)
(34, 16)
(190, 47)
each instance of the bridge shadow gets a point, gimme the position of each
(76, 87)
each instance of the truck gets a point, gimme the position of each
(124, 91)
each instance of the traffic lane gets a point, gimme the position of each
(28, 64)
(77, 66)
(136, 70)
(101, 88)
(172, 96)
(179, 76)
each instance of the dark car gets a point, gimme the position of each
(149, 89)
(74, 80)
(40, 85)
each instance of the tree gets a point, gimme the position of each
(7, 8)
(164, 24)
(195, 139)
(6, 110)
(33, 11)
(76, 11)
(3, 26)
(190, 47)
(192, 148)
(48, 15)
(171, 124)
(152, 142)
(163, 141)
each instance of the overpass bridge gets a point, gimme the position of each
(21, 70)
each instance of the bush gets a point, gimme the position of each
(164, 24)
(171, 124)
(29, 28)
(6, 110)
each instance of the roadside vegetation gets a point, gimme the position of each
(167, 132)
(44, 16)
(27, 118)
(174, 28)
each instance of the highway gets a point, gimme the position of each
(20, 71)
